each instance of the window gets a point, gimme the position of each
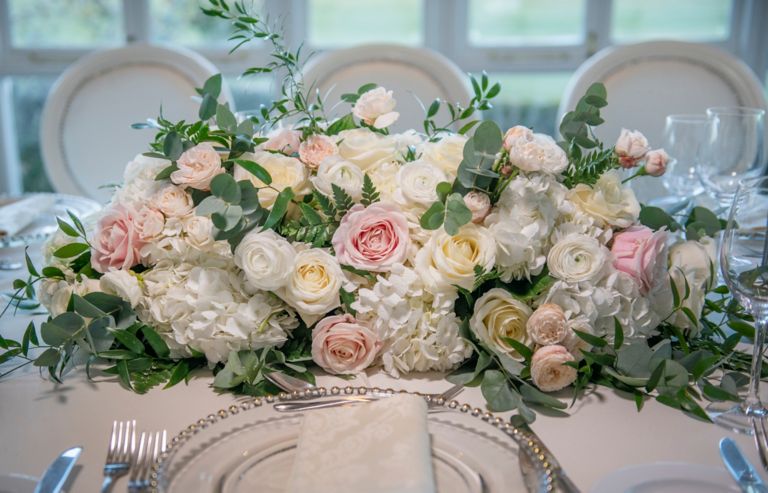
(531, 46)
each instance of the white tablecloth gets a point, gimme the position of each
(39, 419)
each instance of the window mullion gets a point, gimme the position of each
(10, 164)
(136, 21)
(444, 29)
(597, 32)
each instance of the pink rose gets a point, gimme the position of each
(149, 223)
(284, 140)
(656, 162)
(548, 369)
(479, 204)
(197, 167)
(341, 344)
(116, 243)
(631, 147)
(372, 238)
(316, 148)
(642, 254)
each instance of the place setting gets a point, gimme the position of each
(319, 262)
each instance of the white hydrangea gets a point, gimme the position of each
(208, 309)
(522, 222)
(420, 332)
(139, 184)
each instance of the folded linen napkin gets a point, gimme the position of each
(377, 447)
(17, 215)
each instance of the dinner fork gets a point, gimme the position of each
(151, 445)
(121, 445)
(761, 440)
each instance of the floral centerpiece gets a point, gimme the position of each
(513, 261)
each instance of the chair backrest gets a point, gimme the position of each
(86, 135)
(411, 73)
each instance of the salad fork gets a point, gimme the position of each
(151, 445)
(121, 445)
(761, 440)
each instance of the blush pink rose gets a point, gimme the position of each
(341, 344)
(316, 148)
(149, 223)
(284, 140)
(116, 243)
(197, 167)
(641, 253)
(656, 162)
(631, 147)
(372, 238)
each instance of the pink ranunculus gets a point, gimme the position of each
(372, 238)
(284, 140)
(642, 254)
(116, 243)
(341, 344)
(197, 167)
(316, 148)
(656, 162)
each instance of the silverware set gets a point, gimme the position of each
(742, 471)
(125, 455)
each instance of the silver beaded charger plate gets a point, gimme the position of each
(250, 447)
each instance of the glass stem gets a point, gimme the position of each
(752, 404)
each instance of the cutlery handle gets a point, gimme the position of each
(285, 407)
(106, 485)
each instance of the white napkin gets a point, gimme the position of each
(20, 214)
(377, 447)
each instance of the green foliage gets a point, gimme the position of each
(452, 214)
(370, 194)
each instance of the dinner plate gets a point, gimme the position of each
(250, 447)
(17, 483)
(667, 477)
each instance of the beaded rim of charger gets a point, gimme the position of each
(528, 443)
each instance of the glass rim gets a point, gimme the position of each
(753, 182)
(688, 118)
(735, 111)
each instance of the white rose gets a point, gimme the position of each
(416, 182)
(365, 148)
(122, 283)
(608, 201)
(172, 201)
(541, 153)
(285, 172)
(375, 108)
(694, 262)
(313, 285)
(199, 231)
(447, 153)
(335, 170)
(548, 369)
(266, 259)
(55, 294)
(197, 167)
(447, 260)
(577, 258)
(499, 315)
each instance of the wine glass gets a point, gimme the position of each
(734, 150)
(685, 138)
(744, 265)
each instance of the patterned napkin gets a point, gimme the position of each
(16, 216)
(377, 447)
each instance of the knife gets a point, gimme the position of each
(741, 470)
(56, 474)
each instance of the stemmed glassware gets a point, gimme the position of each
(685, 138)
(744, 265)
(735, 150)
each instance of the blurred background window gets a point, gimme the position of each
(531, 46)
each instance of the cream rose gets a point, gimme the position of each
(266, 259)
(197, 167)
(447, 153)
(343, 345)
(498, 316)
(547, 325)
(122, 283)
(366, 149)
(416, 184)
(172, 201)
(540, 153)
(576, 258)
(313, 284)
(336, 170)
(376, 108)
(285, 172)
(315, 149)
(548, 369)
(692, 262)
(199, 231)
(447, 260)
(608, 201)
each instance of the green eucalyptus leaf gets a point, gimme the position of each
(457, 214)
(212, 86)
(497, 392)
(433, 217)
(279, 208)
(225, 119)
(166, 172)
(256, 170)
(207, 108)
(226, 188)
(49, 357)
(210, 205)
(172, 146)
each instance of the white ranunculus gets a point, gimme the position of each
(692, 262)
(577, 258)
(313, 284)
(122, 283)
(336, 170)
(172, 201)
(445, 260)
(416, 183)
(541, 153)
(499, 315)
(266, 259)
(376, 108)
(365, 148)
(608, 201)
(285, 172)
(447, 153)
